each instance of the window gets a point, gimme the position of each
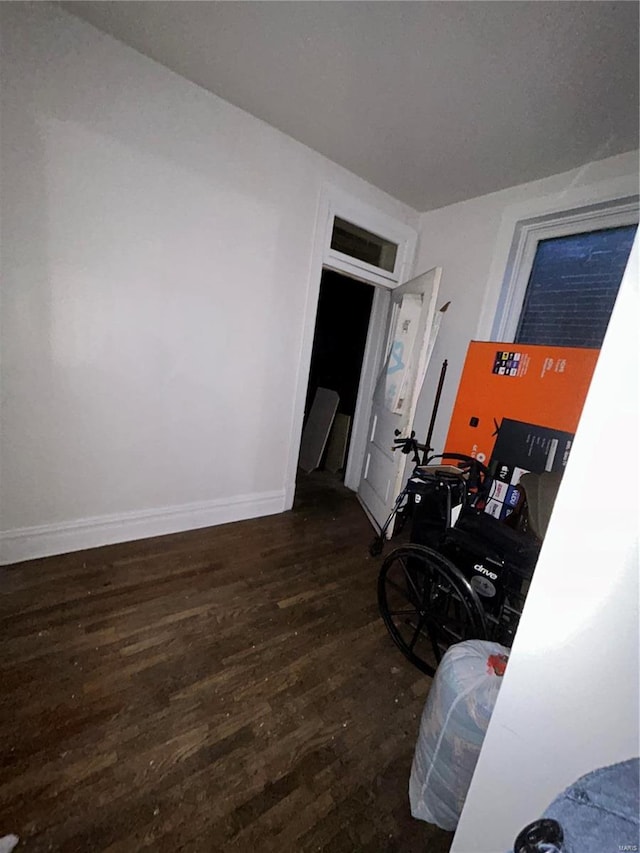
(363, 242)
(572, 288)
(363, 245)
(563, 274)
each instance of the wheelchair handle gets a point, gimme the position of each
(406, 445)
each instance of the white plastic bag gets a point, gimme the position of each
(453, 726)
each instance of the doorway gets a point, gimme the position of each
(340, 337)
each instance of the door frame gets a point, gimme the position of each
(334, 202)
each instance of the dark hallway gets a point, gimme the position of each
(342, 323)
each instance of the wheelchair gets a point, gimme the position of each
(463, 574)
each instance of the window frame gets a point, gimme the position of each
(529, 232)
(376, 223)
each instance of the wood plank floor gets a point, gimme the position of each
(229, 689)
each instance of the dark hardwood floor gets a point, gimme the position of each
(228, 689)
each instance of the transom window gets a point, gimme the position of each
(358, 243)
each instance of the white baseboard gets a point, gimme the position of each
(28, 543)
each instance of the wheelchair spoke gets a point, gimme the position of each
(435, 646)
(410, 580)
(418, 631)
(427, 605)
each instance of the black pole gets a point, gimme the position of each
(434, 411)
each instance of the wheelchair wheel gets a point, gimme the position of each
(427, 605)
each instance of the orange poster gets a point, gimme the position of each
(540, 385)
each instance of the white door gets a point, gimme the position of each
(410, 341)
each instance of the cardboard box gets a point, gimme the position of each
(535, 385)
(517, 410)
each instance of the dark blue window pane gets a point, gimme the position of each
(573, 287)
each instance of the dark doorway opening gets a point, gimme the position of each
(342, 324)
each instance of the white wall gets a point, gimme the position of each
(471, 242)
(569, 702)
(156, 251)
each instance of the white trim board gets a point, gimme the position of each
(29, 543)
(333, 202)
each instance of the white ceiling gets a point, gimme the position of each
(434, 102)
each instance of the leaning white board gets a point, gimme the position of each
(317, 429)
(337, 447)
